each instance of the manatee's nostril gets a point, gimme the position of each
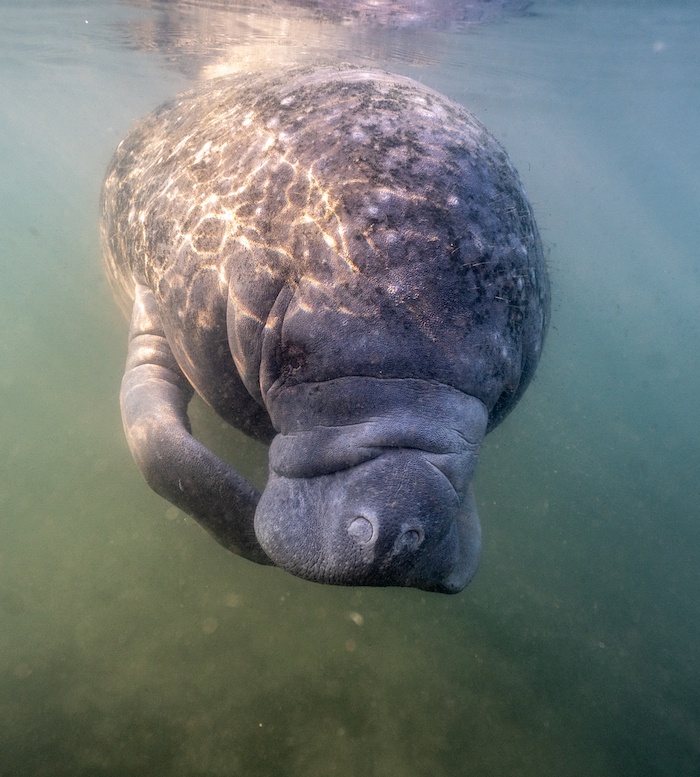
(410, 539)
(361, 529)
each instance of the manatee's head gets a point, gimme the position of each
(370, 484)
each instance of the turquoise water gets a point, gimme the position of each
(131, 643)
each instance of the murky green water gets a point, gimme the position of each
(130, 643)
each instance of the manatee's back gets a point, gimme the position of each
(394, 219)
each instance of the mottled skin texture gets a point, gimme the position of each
(342, 263)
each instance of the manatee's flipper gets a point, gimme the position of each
(154, 399)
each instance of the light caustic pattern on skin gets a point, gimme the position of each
(221, 219)
(206, 225)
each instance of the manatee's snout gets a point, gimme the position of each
(370, 483)
(394, 520)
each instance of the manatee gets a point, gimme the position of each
(343, 264)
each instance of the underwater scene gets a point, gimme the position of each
(131, 642)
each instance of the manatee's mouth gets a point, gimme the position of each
(468, 529)
(370, 484)
(357, 527)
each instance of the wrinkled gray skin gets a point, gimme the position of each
(341, 263)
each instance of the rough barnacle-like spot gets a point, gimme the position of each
(208, 236)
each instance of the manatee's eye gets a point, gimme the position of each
(361, 529)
